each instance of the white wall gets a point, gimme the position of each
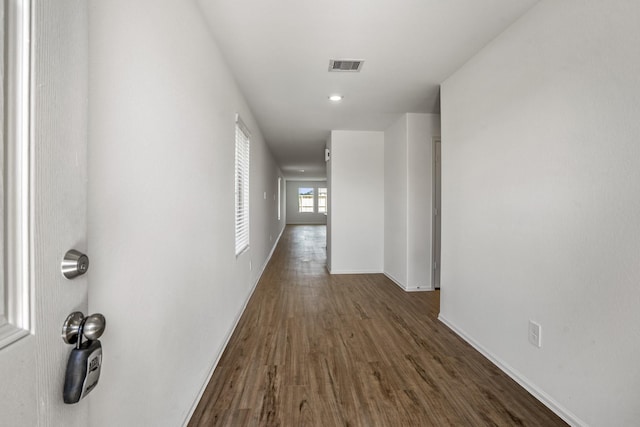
(161, 208)
(295, 217)
(408, 192)
(395, 201)
(540, 204)
(356, 204)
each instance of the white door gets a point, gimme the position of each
(45, 207)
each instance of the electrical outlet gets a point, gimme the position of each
(535, 334)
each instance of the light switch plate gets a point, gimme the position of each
(535, 334)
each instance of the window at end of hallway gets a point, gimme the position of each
(305, 200)
(242, 186)
(279, 202)
(322, 200)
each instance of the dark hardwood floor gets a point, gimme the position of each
(313, 349)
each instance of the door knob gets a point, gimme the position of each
(74, 264)
(92, 327)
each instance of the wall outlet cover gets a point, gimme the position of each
(535, 334)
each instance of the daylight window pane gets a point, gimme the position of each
(305, 200)
(322, 200)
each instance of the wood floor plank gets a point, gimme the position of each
(312, 349)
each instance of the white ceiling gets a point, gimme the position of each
(279, 52)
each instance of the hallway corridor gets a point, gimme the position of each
(313, 349)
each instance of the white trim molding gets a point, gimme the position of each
(408, 289)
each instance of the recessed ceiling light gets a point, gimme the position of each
(335, 98)
(301, 170)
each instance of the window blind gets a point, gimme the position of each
(242, 186)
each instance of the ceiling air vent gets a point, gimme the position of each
(345, 65)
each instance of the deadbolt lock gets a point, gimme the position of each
(74, 264)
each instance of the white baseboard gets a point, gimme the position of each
(307, 223)
(543, 397)
(406, 289)
(264, 266)
(418, 289)
(230, 333)
(355, 272)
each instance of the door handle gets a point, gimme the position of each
(77, 325)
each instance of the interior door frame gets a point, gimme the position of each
(436, 227)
